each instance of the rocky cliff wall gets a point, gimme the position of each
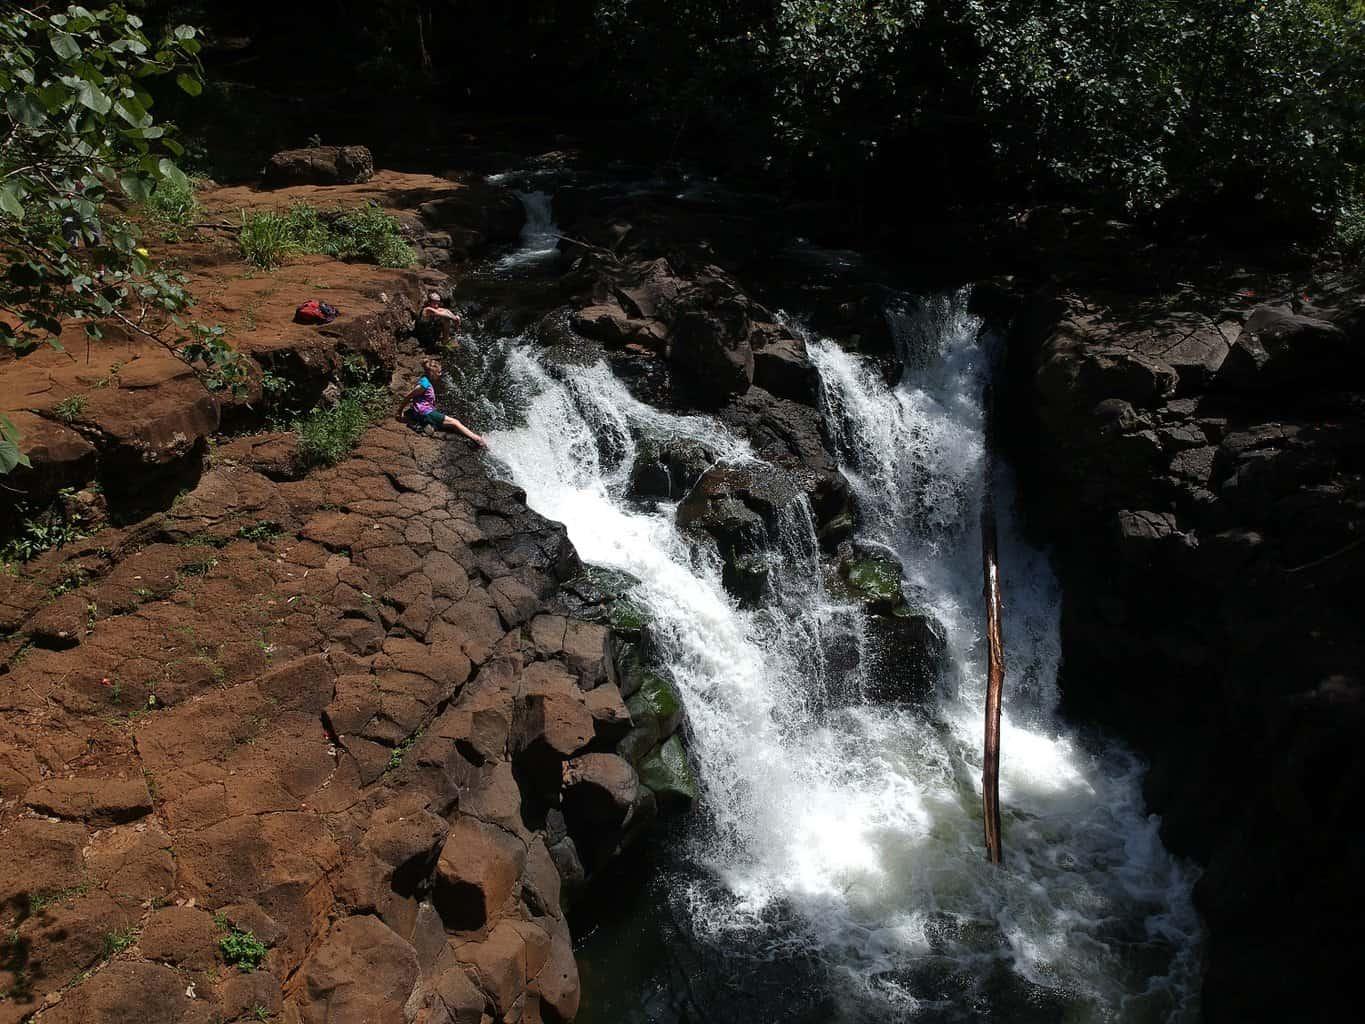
(1196, 460)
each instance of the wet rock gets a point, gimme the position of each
(909, 652)
(790, 436)
(782, 368)
(876, 582)
(738, 506)
(319, 165)
(657, 701)
(668, 469)
(746, 577)
(668, 774)
(595, 594)
(637, 744)
(361, 972)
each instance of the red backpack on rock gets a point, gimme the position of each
(315, 312)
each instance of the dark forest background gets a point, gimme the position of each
(1239, 116)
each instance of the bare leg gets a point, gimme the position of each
(451, 423)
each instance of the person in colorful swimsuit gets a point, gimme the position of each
(419, 406)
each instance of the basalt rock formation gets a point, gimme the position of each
(1202, 479)
(314, 746)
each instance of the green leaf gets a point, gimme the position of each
(132, 111)
(189, 84)
(168, 169)
(64, 46)
(9, 200)
(134, 187)
(25, 108)
(11, 456)
(93, 98)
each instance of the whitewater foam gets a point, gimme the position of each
(850, 831)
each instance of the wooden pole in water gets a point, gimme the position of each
(995, 677)
(995, 681)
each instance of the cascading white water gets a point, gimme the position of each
(857, 826)
(539, 237)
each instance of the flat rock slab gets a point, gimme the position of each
(97, 801)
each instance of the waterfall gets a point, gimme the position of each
(847, 834)
(539, 236)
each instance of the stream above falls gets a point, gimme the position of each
(833, 869)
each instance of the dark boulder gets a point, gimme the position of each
(907, 653)
(605, 807)
(907, 649)
(667, 773)
(782, 367)
(738, 506)
(1281, 349)
(710, 354)
(746, 577)
(874, 581)
(319, 165)
(790, 435)
(668, 469)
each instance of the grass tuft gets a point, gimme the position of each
(68, 410)
(173, 208)
(327, 435)
(265, 239)
(366, 234)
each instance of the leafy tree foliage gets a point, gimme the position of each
(1142, 100)
(78, 140)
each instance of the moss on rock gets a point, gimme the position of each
(668, 774)
(876, 582)
(656, 699)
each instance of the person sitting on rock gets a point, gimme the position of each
(419, 406)
(435, 321)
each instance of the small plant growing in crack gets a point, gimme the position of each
(401, 751)
(117, 941)
(40, 901)
(242, 949)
